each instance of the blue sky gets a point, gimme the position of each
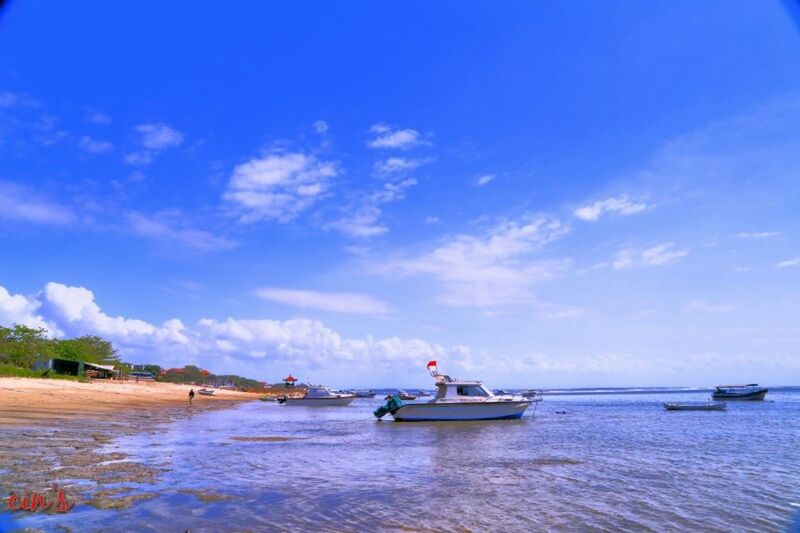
(538, 194)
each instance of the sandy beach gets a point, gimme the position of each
(25, 401)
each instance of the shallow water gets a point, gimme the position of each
(611, 462)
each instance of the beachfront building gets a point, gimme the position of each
(78, 368)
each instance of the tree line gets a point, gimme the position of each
(23, 346)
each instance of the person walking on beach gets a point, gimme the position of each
(191, 396)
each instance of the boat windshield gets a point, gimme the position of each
(473, 390)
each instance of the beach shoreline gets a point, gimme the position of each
(41, 402)
(55, 432)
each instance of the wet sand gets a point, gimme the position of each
(54, 431)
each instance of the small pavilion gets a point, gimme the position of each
(289, 381)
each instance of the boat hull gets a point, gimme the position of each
(320, 402)
(430, 412)
(686, 407)
(754, 396)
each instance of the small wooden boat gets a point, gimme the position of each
(206, 392)
(720, 406)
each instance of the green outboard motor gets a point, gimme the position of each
(393, 404)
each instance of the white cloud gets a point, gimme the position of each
(699, 306)
(495, 268)
(154, 139)
(159, 136)
(9, 99)
(480, 181)
(18, 309)
(392, 165)
(431, 220)
(758, 235)
(389, 137)
(339, 302)
(620, 205)
(94, 146)
(71, 311)
(25, 205)
(660, 254)
(98, 118)
(789, 263)
(365, 221)
(279, 186)
(320, 126)
(142, 157)
(170, 227)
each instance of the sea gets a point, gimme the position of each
(584, 460)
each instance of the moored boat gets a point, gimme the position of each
(206, 392)
(720, 406)
(751, 392)
(456, 400)
(364, 393)
(319, 396)
(406, 395)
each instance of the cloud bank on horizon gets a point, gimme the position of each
(445, 204)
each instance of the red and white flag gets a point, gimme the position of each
(431, 365)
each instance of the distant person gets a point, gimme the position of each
(191, 396)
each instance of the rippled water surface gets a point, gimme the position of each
(589, 462)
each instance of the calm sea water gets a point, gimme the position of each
(615, 462)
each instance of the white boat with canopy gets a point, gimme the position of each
(319, 396)
(457, 400)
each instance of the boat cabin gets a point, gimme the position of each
(451, 390)
(318, 391)
(736, 388)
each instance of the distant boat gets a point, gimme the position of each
(206, 392)
(423, 394)
(406, 395)
(364, 393)
(319, 396)
(532, 394)
(751, 392)
(695, 406)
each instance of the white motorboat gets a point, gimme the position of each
(456, 400)
(319, 396)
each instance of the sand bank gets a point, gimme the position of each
(27, 401)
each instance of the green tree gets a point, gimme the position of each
(22, 346)
(89, 348)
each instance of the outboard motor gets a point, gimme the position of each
(392, 405)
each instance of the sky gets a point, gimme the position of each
(536, 194)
